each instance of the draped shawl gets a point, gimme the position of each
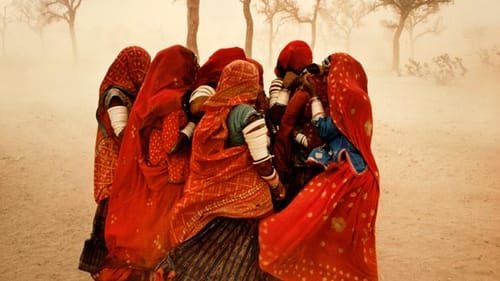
(328, 231)
(142, 197)
(222, 180)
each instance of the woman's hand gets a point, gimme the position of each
(309, 84)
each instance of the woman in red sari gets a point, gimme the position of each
(207, 79)
(295, 136)
(118, 88)
(328, 231)
(292, 59)
(228, 189)
(148, 179)
(117, 93)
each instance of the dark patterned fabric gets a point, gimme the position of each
(94, 249)
(226, 249)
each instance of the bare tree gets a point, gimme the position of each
(271, 9)
(420, 17)
(3, 27)
(292, 10)
(346, 15)
(4, 22)
(193, 21)
(63, 10)
(31, 13)
(249, 33)
(403, 9)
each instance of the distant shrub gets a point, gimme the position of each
(490, 57)
(442, 69)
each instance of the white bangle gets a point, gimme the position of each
(118, 115)
(274, 91)
(317, 110)
(272, 180)
(255, 135)
(201, 91)
(189, 129)
(283, 97)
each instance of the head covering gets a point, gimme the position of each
(262, 102)
(210, 71)
(140, 201)
(294, 57)
(350, 106)
(127, 72)
(222, 180)
(171, 74)
(260, 69)
(238, 84)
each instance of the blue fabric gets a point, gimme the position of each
(320, 156)
(338, 144)
(236, 121)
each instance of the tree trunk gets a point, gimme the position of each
(3, 42)
(348, 41)
(313, 24)
(412, 43)
(270, 42)
(74, 45)
(395, 44)
(193, 21)
(313, 34)
(249, 33)
(4, 28)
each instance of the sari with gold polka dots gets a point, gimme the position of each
(328, 231)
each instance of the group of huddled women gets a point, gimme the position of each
(199, 174)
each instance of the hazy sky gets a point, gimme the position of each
(106, 26)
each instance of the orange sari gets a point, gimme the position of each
(127, 72)
(147, 180)
(328, 231)
(222, 180)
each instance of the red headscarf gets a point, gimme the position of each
(222, 180)
(136, 224)
(294, 57)
(126, 72)
(210, 71)
(330, 225)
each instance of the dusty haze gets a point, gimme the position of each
(437, 146)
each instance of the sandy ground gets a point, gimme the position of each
(437, 148)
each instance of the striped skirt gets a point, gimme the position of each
(226, 249)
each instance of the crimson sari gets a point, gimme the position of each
(147, 180)
(222, 180)
(328, 231)
(127, 72)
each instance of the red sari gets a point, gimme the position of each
(328, 231)
(126, 72)
(222, 180)
(147, 180)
